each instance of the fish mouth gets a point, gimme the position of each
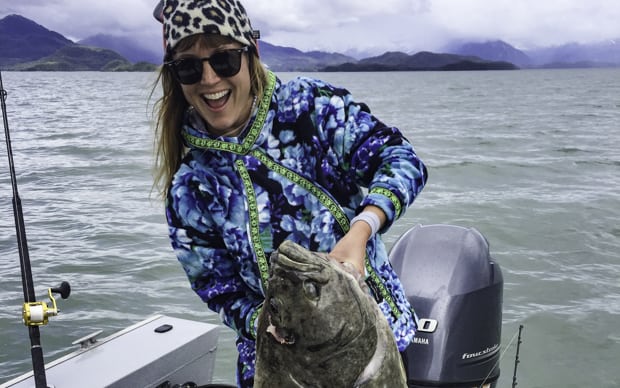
(285, 337)
(281, 335)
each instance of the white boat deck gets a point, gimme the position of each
(138, 356)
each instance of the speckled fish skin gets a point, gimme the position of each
(319, 327)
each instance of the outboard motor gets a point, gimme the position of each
(456, 289)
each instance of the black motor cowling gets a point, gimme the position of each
(456, 290)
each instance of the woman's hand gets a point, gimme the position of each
(351, 249)
(352, 246)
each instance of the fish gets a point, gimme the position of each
(320, 327)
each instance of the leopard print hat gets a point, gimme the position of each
(183, 18)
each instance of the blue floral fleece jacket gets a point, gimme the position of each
(297, 172)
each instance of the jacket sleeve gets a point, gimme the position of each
(379, 156)
(213, 274)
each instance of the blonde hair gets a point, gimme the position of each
(169, 110)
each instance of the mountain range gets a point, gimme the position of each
(26, 45)
(602, 54)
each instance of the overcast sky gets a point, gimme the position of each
(362, 25)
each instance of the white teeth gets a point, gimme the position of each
(215, 96)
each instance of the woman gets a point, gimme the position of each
(246, 162)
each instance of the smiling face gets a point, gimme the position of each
(224, 103)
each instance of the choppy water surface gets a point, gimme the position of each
(529, 158)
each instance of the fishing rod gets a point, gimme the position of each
(514, 376)
(501, 357)
(34, 314)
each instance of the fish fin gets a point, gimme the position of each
(375, 363)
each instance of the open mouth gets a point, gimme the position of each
(281, 335)
(216, 100)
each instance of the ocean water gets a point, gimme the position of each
(530, 158)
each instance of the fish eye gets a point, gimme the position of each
(311, 289)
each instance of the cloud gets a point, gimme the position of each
(530, 22)
(412, 25)
(336, 25)
(79, 19)
(341, 25)
(301, 15)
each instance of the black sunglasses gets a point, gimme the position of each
(225, 63)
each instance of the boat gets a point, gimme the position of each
(448, 274)
(160, 351)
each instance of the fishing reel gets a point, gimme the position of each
(38, 313)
